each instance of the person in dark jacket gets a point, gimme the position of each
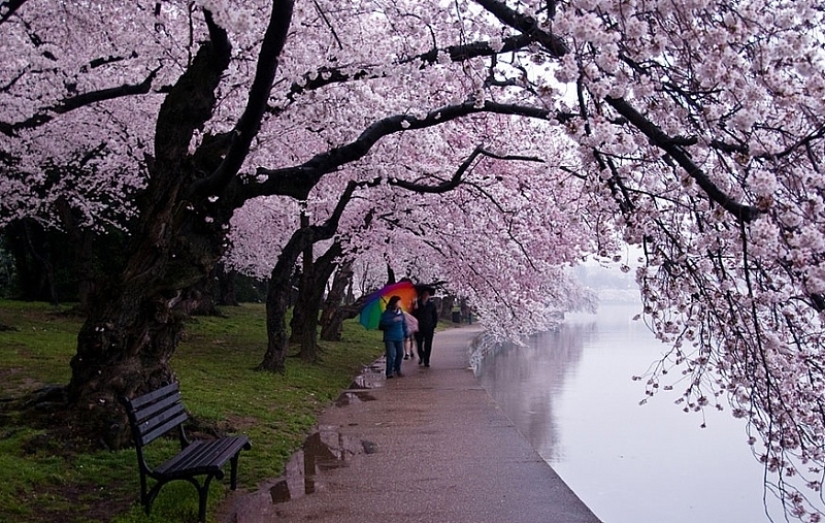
(395, 330)
(426, 313)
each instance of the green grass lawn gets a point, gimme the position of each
(44, 480)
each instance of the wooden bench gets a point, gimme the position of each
(156, 413)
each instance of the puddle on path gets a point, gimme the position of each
(371, 377)
(326, 448)
(323, 450)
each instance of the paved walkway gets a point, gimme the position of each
(431, 446)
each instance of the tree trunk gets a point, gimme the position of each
(203, 296)
(445, 308)
(277, 300)
(349, 297)
(332, 317)
(136, 322)
(313, 296)
(137, 318)
(226, 286)
(301, 306)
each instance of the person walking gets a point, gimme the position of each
(395, 330)
(427, 315)
(409, 341)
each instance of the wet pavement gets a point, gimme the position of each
(431, 446)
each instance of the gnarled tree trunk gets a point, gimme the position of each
(333, 316)
(312, 297)
(277, 300)
(136, 319)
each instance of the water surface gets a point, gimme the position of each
(572, 396)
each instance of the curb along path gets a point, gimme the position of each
(431, 446)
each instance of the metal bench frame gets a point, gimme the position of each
(156, 413)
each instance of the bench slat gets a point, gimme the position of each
(154, 395)
(150, 409)
(151, 431)
(159, 418)
(202, 457)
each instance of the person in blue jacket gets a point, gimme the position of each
(395, 330)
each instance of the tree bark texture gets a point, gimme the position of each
(301, 311)
(277, 300)
(312, 298)
(136, 320)
(332, 316)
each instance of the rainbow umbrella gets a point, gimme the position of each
(376, 303)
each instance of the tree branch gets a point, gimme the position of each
(297, 181)
(670, 145)
(8, 8)
(190, 102)
(458, 53)
(526, 25)
(48, 114)
(457, 177)
(250, 121)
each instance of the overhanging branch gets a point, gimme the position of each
(672, 147)
(527, 25)
(297, 181)
(458, 176)
(47, 114)
(250, 121)
(8, 8)
(457, 53)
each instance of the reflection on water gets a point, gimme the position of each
(324, 449)
(571, 395)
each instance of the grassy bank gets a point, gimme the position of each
(44, 479)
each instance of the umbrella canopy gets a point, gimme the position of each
(376, 303)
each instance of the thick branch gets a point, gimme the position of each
(670, 145)
(297, 181)
(526, 25)
(8, 8)
(250, 121)
(190, 103)
(48, 114)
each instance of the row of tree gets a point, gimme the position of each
(485, 143)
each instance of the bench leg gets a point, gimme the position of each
(203, 492)
(233, 472)
(147, 498)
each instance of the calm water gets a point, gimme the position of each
(571, 395)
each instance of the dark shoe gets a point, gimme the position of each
(426, 364)
(399, 374)
(390, 376)
(406, 356)
(420, 362)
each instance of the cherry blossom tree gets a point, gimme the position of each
(704, 122)
(401, 231)
(697, 127)
(183, 96)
